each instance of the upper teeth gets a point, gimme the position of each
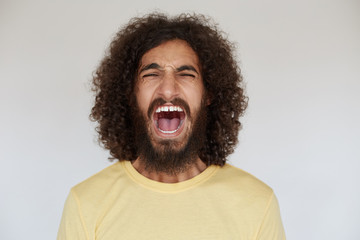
(169, 109)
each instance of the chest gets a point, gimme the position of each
(177, 216)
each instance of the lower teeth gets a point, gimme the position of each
(167, 131)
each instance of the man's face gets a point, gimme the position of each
(170, 95)
(170, 72)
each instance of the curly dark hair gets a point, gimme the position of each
(114, 81)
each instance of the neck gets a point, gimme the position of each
(192, 171)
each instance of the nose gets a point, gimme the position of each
(168, 87)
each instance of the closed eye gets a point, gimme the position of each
(187, 75)
(150, 75)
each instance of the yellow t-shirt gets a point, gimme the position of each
(219, 203)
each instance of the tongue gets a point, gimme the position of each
(167, 124)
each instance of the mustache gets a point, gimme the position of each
(176, 101)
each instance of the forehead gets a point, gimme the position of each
(171, 53)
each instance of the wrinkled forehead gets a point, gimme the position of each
(172, 55)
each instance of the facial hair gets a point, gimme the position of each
(166, 157)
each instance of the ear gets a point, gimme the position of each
(208, 98)
(208, 101)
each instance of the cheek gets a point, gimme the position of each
(143, 99)
(196, 97)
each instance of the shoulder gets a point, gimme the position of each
(248, 201)
(87, 201)
(241, 182)
(101, 183)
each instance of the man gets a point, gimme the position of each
(168, 99)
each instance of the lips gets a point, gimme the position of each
(168, 119)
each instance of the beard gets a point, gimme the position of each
(169, 156)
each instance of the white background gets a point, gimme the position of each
(301, 62)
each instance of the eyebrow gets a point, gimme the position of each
(186, 67)
(150, 66)
(157, 66)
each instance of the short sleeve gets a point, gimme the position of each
(72, 224)
(272, 227)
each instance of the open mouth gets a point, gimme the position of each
(169, 119)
